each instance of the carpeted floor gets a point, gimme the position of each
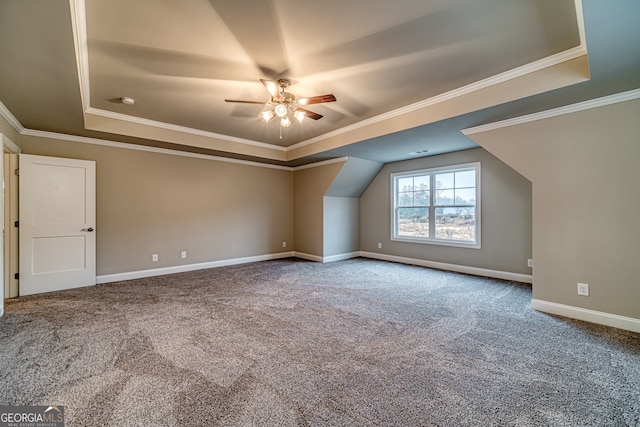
(290, 342)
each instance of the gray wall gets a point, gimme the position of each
(586, 203)
(342, 206)
(310, 186)
(341, 225)
(506, 216)
(354, 177)
(157, 203)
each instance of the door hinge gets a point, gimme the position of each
(16, 224)
(16, 276)
(18, 172)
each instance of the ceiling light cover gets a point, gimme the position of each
(268, 115)
(281, 110)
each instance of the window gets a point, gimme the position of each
(438, 206)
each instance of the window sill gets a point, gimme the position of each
(452, 243)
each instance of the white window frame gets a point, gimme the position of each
(432, 240)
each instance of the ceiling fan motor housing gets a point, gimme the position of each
(283, 83)
(288, 100)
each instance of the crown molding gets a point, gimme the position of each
(322, 163)
(126, 146)
(178, 128)
(82, 57)
(78, 18)
(79, 29)
(532, 67)
(580, 22)
(560, 111)
(543, 63)
(581, 106)
(10, 118)
(135, 147)
(17, 126)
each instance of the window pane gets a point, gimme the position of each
(405, 184)
(444, 197)
(444, 180)
(405, 199)
(413, 222)
(421, 182)
(451, 191)
(421, 198)
(456, 224)
(466, 179)
(466, 196)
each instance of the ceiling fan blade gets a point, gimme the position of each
(317, 99)
(310, 114)
(272, 88)
(244, 102)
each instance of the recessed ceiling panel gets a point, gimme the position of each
(181, 60)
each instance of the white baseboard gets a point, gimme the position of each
(579, 313)
(325, 259)
(341, 257)
(308, 257)
(476, 271)
(599, 317)
(130, 275)
(108, 278)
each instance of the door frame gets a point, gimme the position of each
(8, 211)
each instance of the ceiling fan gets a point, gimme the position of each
(282, 103)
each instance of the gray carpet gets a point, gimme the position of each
(290, 342)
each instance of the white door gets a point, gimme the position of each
(57, 224)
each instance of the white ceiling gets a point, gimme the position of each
(400, 70)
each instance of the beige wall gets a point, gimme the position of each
(586, 203)
(310, 186)
(157, 203)
(585, 196)
(506, 216)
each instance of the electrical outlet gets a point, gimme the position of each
(183, 254)
(284, 244)
(154, 257)
(530, 263)
(583, 289)
(379, 245)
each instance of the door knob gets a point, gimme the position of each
(88, 229)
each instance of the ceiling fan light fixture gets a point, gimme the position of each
(282, 103)
(299, 115)
(268, 115)
(281, 110)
